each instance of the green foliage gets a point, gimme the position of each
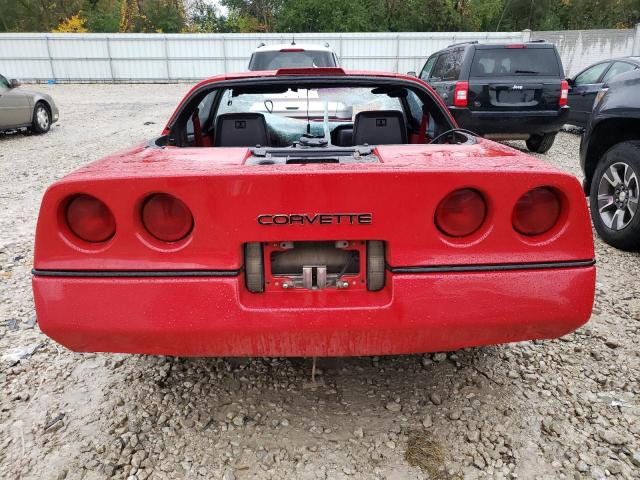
(35, 15)
(253, 15)
(203, 17)
(167, 16)
(316, 15)
(325, 16)
(102, 15)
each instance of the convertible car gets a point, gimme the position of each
(376, 227)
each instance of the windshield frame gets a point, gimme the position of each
(177, 123)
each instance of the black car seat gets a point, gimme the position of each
(241, 130)
(342, 136)
(382, 127)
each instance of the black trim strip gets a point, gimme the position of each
(234, 273)
(136, 273)
(492, 268)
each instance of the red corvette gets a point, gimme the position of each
(312, 213)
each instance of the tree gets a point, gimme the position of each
(164, 15)
(131, 20)
(102, 15)
(322, 16)
(73, 24)
(203, 17)
(35, 15)
(256, 14)
(316, 15)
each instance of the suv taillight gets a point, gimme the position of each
(564, 93)
(461, 94)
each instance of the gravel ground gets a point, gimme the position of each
(568, 408)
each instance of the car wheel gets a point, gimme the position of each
(541, 143)
(41, 122)
(614, 195)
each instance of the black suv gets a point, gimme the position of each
(503, 92)
(610, 160)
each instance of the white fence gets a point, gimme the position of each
(580, 48)
(187, 57)
(179, 57)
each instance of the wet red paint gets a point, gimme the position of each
(218, 317)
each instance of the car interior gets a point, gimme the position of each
(282, 116)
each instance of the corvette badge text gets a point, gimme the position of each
(316, 219)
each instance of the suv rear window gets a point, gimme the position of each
(273, 60)
(503, 61)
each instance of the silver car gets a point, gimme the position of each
(21, 108)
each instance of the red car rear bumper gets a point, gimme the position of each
(207, 316)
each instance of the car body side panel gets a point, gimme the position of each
(621, 103)
(17, 105)
(15, 108)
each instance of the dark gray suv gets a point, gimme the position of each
(503, 91)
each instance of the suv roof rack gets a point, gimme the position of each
(462, 43)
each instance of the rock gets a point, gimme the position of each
(473, 436)
(138, 457)
(284, 422)
(597, 473)
(427, 422)
(479, 462)
(635, 458)
(393, 406)
(229, 475)
(440, 356)
(238, 420)
(435, 398)
(612, 437)
(358, 432)
(582, 466)
(14, 355)
(455, 415)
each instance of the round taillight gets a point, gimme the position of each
(461, 213)
(537, 211)
(166, 217)
(90, 219)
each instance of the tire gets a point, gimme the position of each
(541, 143)
(614, 197)
(41, 121)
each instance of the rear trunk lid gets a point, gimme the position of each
(392, 200)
